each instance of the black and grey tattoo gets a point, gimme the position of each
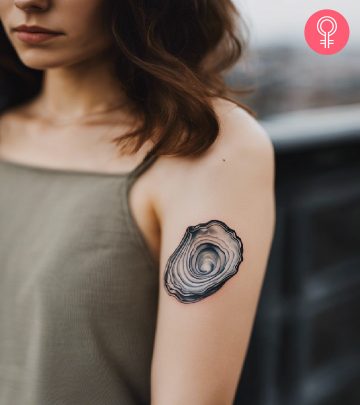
(208, 255)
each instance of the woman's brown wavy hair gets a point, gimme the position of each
(170, 58)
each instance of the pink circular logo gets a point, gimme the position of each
(327, 32)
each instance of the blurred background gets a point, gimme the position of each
(305, 346)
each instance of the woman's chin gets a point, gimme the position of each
(38, 62)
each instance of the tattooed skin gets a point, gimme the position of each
(208, 255)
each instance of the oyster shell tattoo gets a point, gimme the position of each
(207, 256)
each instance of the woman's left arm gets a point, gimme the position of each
(217, 232)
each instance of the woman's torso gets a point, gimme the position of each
(79, 277)
(89, 148)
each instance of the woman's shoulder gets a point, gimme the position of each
(241, 138)
(10, 121)
(238, 128)
(12, 116)
(243, 150)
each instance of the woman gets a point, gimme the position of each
(106, 296)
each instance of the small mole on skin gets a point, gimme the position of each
(223, 160)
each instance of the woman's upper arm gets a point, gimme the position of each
(215, 242)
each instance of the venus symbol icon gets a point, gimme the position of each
(327, 26)
(326, 32)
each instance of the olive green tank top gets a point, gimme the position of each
(78, 289)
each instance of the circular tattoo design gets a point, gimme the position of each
(207, 256)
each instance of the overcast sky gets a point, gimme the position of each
(284, 20)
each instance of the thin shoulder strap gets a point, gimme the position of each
(149, 158)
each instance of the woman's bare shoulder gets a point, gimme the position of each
(12, 116)
(8, 121)
(241, 137)
(242, 147)
(239, 126)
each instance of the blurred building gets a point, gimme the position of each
(305, 348)
(287, 78)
